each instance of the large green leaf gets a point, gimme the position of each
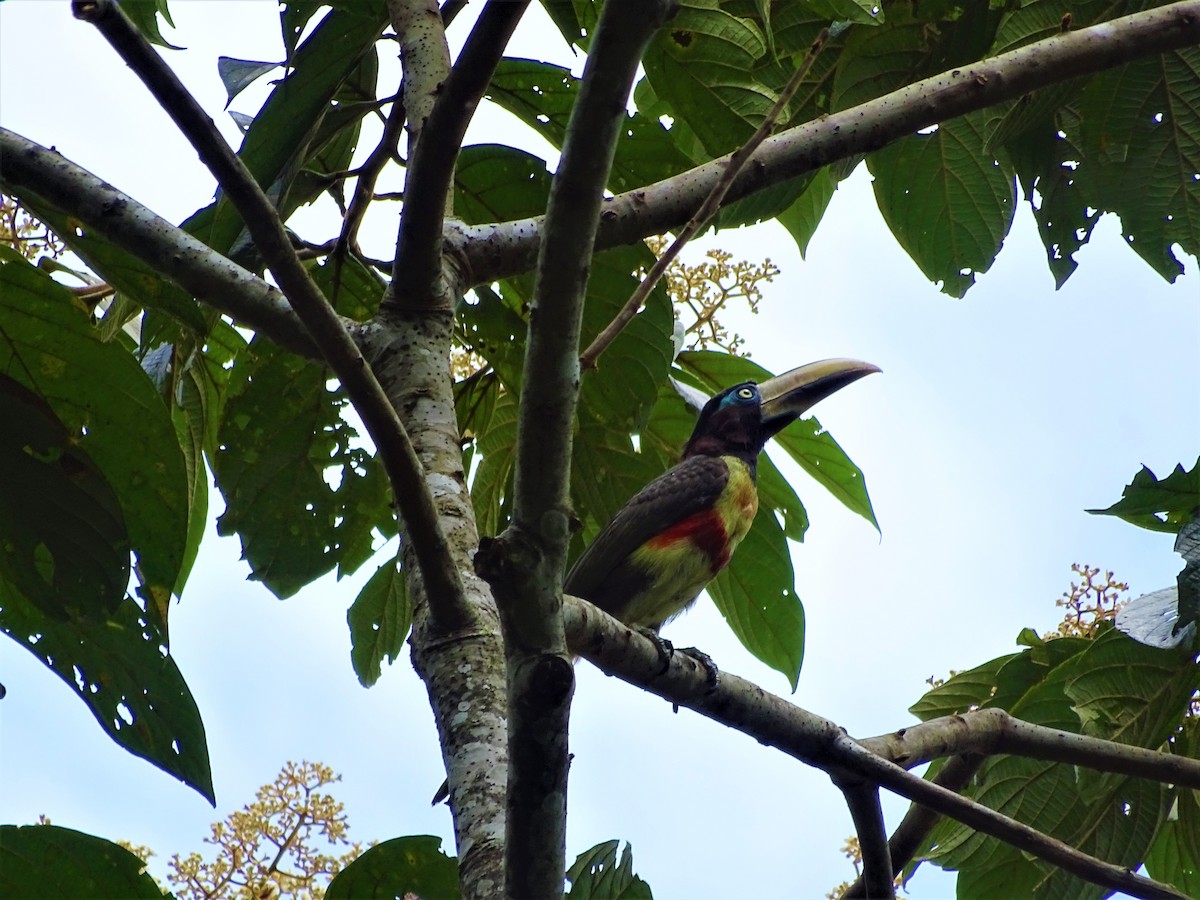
(63, 542)
(756, 594)
(401, 867)
(542, 95)
(491, 487)
(379, 621)
(602, 873)
(55, 863)
(300, 491)
(104, 400)
(961, 692)
(122, 670)
(948, 204)
(494, 183)
(135, 281)
(1111, 687)
(1160, 505)
(1140, 131)
(804, 215)
(702, 66)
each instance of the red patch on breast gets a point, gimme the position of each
(705, 530)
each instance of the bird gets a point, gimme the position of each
(662, 548)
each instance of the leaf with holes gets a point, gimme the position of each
(301, 492)
(108, 404)
(947, 203)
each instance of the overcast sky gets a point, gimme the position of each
(997, 420)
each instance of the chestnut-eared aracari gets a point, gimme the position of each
(663, 547)
(671, 539)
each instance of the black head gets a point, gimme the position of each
(741, 419)
(730, 425)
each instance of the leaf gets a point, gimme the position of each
(947, 203)
(624, 386)
(1127, 692)
(598, 874)
(135, 281)
(379, 620)
(283, 132)
(1140, 132)
(51, 862)
(491, 487)
(542, 95)
(403, 866)
(1159, 505)
(354, 289)
(701, 65)
(63, 542)
(756, 595)
(961, 692)
(495, 183)
(301, 492)
(239, 74)
(1109, 687)
(124, 673)
(144, 15)
(100, 395)
(804, 215)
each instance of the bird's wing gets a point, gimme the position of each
(599, 575)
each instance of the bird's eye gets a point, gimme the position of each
(746, 393)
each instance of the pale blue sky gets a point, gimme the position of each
(997, 420)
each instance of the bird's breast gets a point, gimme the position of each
(716, 531)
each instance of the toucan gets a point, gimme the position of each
(661, 549)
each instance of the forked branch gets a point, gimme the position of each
(328, 332)
(773, 721)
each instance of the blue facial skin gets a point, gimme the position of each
(744, 395)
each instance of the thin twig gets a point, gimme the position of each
(337, 347)
(772, 721)
(733, 165)
(368, 175)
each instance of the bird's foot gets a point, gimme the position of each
(664, 647)
(711, 672)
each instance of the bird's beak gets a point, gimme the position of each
(788, 396)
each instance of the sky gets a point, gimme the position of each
(997, 421)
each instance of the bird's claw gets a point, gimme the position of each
(711, 672)
(664, 647)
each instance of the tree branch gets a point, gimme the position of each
(862, 798)
(418, 266)
(770, 720)
(995, 731)
(955, 775)
(509, 248)
(525, 565)
(27, 168)
(335, 343)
